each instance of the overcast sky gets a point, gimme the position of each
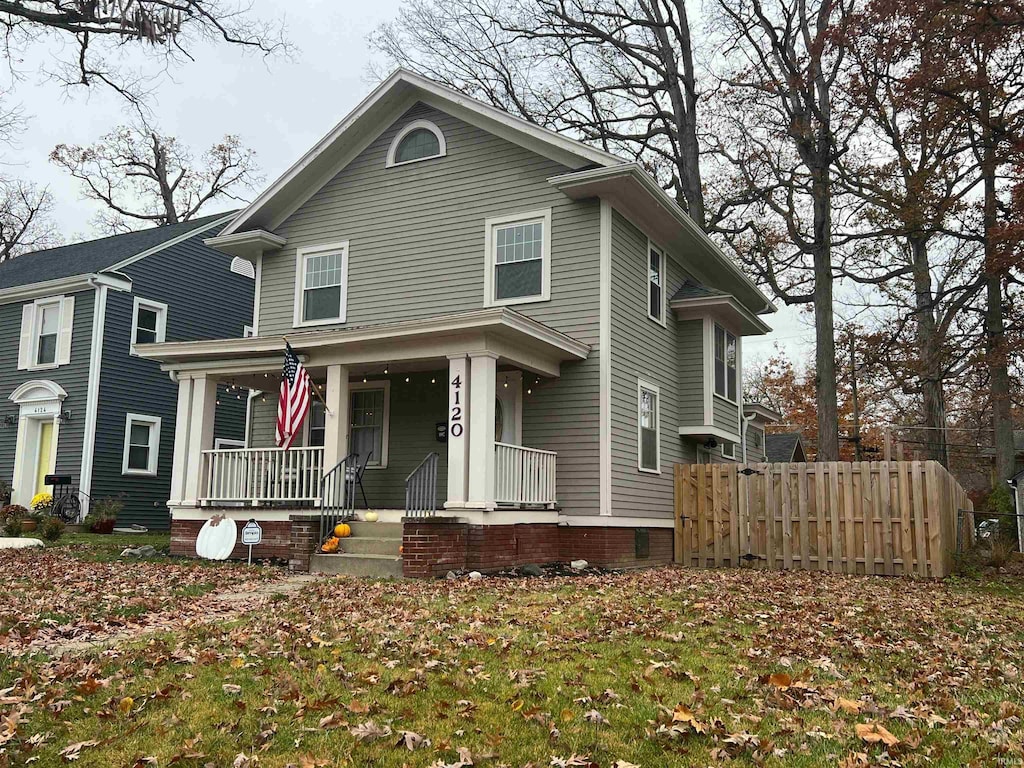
(278, 107)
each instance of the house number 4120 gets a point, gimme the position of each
(455, 417)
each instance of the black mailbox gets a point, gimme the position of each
(57, 480)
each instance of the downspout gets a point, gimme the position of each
(743, 434)
(92, 397)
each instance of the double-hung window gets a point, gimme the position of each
(655, 284)
(725, 364)
(368, 435)
(149, 322)
(141, 445)
(47, 331)
(322, 284)
(518, 258)
(649, 427)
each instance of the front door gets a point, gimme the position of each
(43, 456)
(508, 416)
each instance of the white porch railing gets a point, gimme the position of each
(523, 475)
(262, 475)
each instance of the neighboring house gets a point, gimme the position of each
(784, 446)
(76, 399)
(538, 313)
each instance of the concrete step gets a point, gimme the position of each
(371, 545)
(376, 566)
(379, 530)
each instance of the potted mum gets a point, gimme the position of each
(103, 515)
(41, 505)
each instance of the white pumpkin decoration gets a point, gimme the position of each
(217, 538)
(371, 517)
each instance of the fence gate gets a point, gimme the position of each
(889, 518)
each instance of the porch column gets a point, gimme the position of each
(458, 431)
(483, 377)
(200, 435)
(182, 422)
(336, 418)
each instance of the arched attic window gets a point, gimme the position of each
(419, 140)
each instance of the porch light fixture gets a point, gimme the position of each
(406, 379)
(9, 421)
(385, 369)
(364, 379)
(64, 417)
(506, 382)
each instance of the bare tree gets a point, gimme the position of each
(25, 219)
(617, 73)
(96, 32)
(783, 65)
(141, 176)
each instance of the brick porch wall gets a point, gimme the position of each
(614, 547)
(276, 542)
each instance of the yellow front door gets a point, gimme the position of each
(45, 448)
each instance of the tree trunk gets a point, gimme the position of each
(824, 322)
(929, 349)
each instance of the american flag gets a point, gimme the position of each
(294, 402)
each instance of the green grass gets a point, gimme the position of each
(509, 669)
(108, 547)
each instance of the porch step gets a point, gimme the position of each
(371, 545)
(380, 530)
(376, 566)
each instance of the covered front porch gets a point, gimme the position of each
(416, 418)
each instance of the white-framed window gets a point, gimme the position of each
(46, 327)
(655, 283)
(726, 356)
(729, 451)
(141, 445)
(648, 405)
(227, 443)
(321, 284)
(518, 258)
(757, 438)
(149, 322)
(370, 413)
(419, 140)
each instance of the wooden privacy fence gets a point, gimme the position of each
(876, 517)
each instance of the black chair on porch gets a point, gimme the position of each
(355, 476)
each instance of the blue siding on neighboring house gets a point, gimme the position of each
(205, 301)
(73, 377)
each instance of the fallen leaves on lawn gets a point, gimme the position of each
(873, 733)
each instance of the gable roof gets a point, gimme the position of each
(782, 446)
(385, 104)
(94, 256)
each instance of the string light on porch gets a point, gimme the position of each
(506, 381)
(385, 369)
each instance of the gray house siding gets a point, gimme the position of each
(73, 377)
(755, 444)
(205, 301)
(690, 366)
(416, 249)
(642, 349)
(726, 415)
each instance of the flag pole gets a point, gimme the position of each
(316, 389)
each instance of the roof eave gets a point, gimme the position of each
(610, 182)
(748, 323)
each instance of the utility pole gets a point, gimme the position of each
(856, 406)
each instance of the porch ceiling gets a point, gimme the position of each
(515, 338)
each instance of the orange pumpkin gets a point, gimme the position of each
(342, 530)
(331, 545)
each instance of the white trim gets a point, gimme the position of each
(239, 243)
(256, 293)
(243, 267)
(737, 400)
(724, 307)
(396, 94)
(641, 386)
(92, 397)
(416, 125)
(543, 215)
(709, 430)
(721, 450)
(652, 246)
(227, 442)
(154, 444)
(161, 320)
(603, 521)
(73, 284)
(605, 360)
(51, 391)
(301, 254)
(707, 379)
(39, 401)
(384, 384)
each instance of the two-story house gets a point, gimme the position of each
(535, 312)
(75, 398)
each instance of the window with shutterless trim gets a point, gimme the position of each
(725, 364)
(655, 283)
(416, 141)
(141, 445)
(321, 284)
(648, 427)
(518, 258)
(149, 322)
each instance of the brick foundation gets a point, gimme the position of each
(292, 540)
(435, 546)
